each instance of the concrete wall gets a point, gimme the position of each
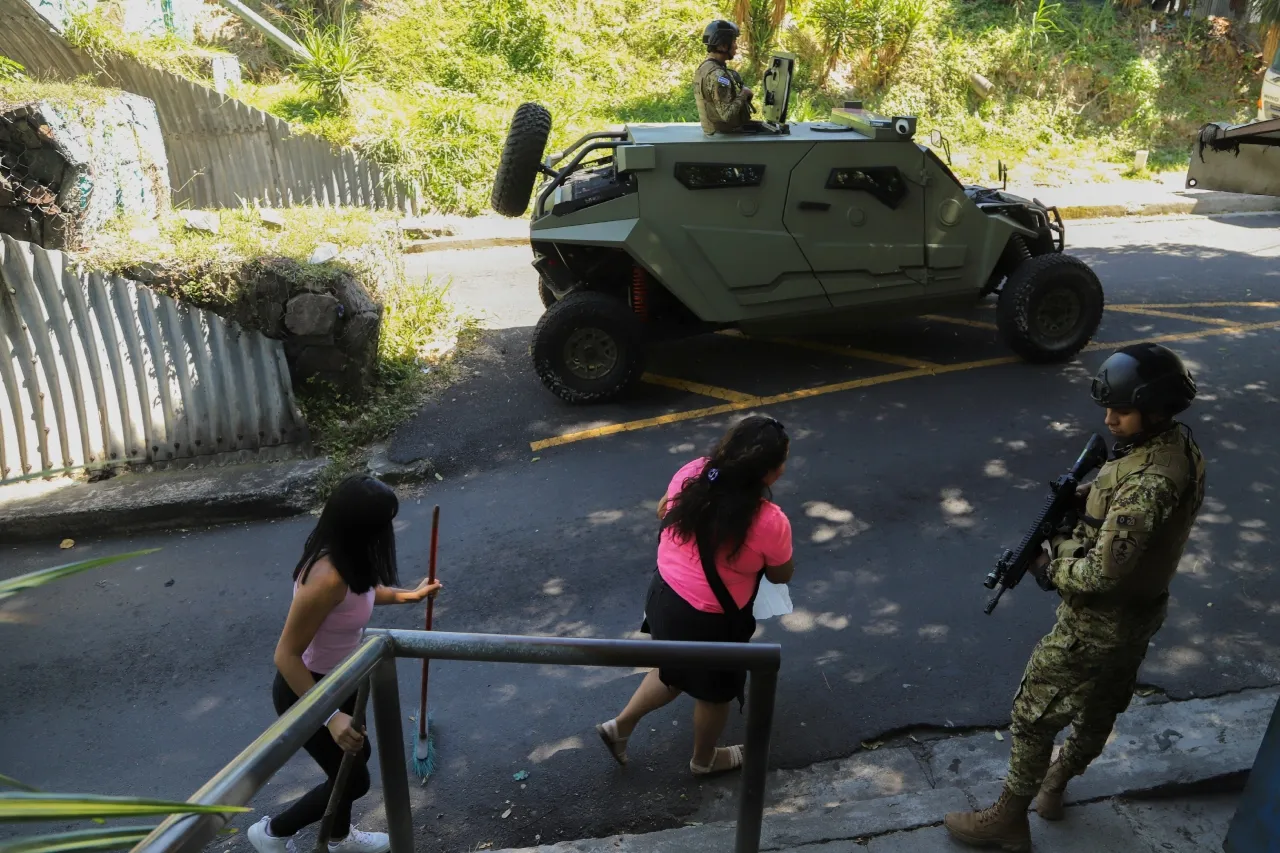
(66, 169)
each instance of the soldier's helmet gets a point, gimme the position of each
(1146, 377)
(719, 33)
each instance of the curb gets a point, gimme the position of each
(444, 244)
(1161, 749)
(1208, 206)
(164, 500)
(1212, 205)
(149, 502)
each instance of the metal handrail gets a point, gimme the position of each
(248, 772)
(244, 776)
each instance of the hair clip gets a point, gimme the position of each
(712, 473)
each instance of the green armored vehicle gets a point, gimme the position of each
(658, 230)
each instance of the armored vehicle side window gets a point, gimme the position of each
(714, 176)
(885, 183)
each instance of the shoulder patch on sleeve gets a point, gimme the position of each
(725, 80)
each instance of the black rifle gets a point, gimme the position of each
(1059, 513)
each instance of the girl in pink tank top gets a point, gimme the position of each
(348, 565)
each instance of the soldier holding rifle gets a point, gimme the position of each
(1113, 573)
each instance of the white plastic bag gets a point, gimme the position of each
(773, 599)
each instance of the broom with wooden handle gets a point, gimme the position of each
(344, 771)
(424, 748)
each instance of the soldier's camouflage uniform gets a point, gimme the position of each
(723, 104)
(1114, 582)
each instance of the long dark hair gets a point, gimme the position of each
(356, 534)
(718, 506)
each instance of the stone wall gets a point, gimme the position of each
(67, 169)
(324, 315)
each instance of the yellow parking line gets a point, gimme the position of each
(853, 352)
(772, 400)
(821, 390)
(1177, 305)
(698, 388)
(1170, 315)
(958, 321)
(1187, 336)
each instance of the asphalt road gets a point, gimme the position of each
(145, 678)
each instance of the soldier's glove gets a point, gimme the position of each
(1039, 569)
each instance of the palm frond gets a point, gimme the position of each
(43, 576)
(115, 838)
(27, 806)
(10, 782)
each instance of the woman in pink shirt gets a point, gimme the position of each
(348, 565)
(720, 535)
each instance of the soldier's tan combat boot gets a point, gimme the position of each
(1049, 800)
(1004, 825)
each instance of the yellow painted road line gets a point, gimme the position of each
(854, 352)
(772, 400)
(821, 390)
(959, 321)
(1187, 336)
(1177, 305)
(1170, 315)
(698, 388)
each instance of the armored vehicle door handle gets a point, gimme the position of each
(814, 205)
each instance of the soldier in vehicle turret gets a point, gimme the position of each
(724, 102)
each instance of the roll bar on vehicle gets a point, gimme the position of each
(580, 149)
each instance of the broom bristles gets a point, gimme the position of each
(423, 759)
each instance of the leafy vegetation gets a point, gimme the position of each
(420, 328)
(428, 87)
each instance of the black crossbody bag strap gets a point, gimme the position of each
(737, 615)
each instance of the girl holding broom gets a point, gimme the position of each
(348, 565)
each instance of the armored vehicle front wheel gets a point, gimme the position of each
(588, 348)
(1049, 308)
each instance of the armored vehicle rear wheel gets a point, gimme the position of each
(1049, 308)
(588, 348)
(544, 293)
(521, 159)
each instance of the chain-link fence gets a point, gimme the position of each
(32, 173)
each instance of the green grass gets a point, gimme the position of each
(99, 32)
(421, 331)
(1078, 87)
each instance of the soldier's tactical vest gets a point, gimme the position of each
(712, 67)
(1170, 454)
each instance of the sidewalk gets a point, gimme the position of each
(1164, 196)
(1190, 755)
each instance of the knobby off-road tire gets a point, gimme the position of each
(588, 348)
(1049, 308)
(521, 159)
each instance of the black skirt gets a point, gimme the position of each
(670, 617)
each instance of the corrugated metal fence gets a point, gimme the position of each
(221, 152)
(98, 370)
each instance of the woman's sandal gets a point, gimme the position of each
(608, 732)
(734, 761)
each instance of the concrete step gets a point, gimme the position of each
(1157, 747)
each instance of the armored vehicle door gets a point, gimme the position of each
(856, 208)
(712, 226)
